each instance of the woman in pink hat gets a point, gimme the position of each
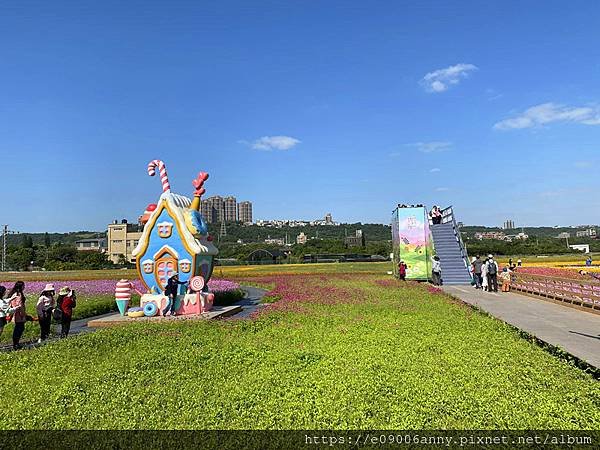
(16, 297)
(44, 308)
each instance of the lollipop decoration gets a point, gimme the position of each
(164, 178)
(197, 283)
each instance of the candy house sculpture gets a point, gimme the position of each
(175, 239)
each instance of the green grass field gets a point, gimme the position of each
(226, 272)
(339, 351)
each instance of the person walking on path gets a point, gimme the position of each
(436, 271)
(402, 270)
(171, 293)
(4, 305)
(505, 277)
(16, 299)
(484, 278)
(477, 265)
(44, 308)
(66, 302)
(492, 274)
(519, 262)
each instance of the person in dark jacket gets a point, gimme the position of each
(477, 264)
(66, 302)
(171, 293)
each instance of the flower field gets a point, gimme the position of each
(107, 286)
(226, 272)
(333, 351)
(96, 296)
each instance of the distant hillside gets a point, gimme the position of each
(63, 238)
(254, 233)
(470, 230)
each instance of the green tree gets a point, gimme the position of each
(19, 258)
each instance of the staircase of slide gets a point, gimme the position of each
(451, 250)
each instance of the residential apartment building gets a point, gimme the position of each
(244, 212)
(217, 209)
(230, 209)
(122, 239)
(217, 206)
(206, 211)
(590, 232)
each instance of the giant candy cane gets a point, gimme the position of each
(164, 179)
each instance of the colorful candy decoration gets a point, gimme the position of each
(135, 312)
(146, 215)
(209, 299)
(164, 178)
(165, 229)
(123, 294)
(150, 309)
(197, 283)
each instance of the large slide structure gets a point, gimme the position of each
(415, 240)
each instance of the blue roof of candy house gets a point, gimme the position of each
(178, 207)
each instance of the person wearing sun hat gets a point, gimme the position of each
(44, 308)
(66, 302)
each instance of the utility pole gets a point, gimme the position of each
(4, 248)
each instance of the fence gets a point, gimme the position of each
(581, 294)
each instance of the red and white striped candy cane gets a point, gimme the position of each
(164, 179)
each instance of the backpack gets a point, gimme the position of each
(492, 268)
(57, 314)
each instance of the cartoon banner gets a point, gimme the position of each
(411, 242)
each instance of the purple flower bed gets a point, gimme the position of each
(107, 287)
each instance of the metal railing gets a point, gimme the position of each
(582, 294)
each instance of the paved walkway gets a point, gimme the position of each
(576, 332)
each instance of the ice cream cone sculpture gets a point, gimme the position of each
(123, 294)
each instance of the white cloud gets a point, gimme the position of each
(440, 80)
(435, 169)
(551, 112)
(441, 189)
(430, 147)
(273, 143)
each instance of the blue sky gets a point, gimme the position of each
(303, 108)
